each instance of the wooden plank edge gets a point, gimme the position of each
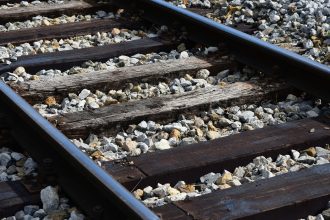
(308, 191)
(107, 120)
(226, 155)
(66, 59)
(59, 87)
(71, 29)
(51, 10)
(14, 196)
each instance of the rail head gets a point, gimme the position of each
(72, 165)
(300, 71)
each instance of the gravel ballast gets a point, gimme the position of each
(287, 23)
(148, 136)
(260, 168)
(14, 165)
(54, 206)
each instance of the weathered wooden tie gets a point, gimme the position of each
(65, 30)
(38, 90)
(50, 10)
(65, 59)
(190, 162)
(108, 118)
(288, 196)
(14, 196)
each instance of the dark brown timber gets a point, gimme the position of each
(14, 196)
(50, 10)
(64, 30)
(39, 90)
(188, 163)
(66, 59)
(76, 125)
(288, 196)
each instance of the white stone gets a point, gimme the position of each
(162, 145)
(50, 199)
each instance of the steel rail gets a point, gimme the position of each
(88, 185)
(300, 71)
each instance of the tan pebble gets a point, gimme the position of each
(136, 89)
(222, 84)
(199, 132)
(211, 127)
(311, 151)
(129, 145)
(188, 77)
(187, 188)
(173, 191)
(213, 134)
(34, 77)
(96, 155)
(115, 31)
(224, 186)
(138, 193)
(50, 101)
(175, 133)
(312, 130)
(110, 101)
(19, 71)
(215, 117)
(225, 178)
(45, 22)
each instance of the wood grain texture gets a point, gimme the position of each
(67, 30)
(39, 90)
(189, 162)
(50, 10)
(289, 196)
(66, 59)
(14, 196)
(105, 119)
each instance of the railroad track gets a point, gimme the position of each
(138, 120)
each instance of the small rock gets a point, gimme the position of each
(224, 122)
(115, 31)
(4, 159)
(19, 215)
(295, 154)
(30, 209)
(311, 151)
(175, 133)
(291, 97)
(17, 156)
(246, 116)
(202, 74)
(143, 125)
(74, 215)
(50, 199)
(84, 94)
(184, 55)
(213, 134)
(225, 178)
(50, 101)
(138, 193)
(321, 152)
(129, 145)
(306, 159)
(162, 145)
(224, 186)
(143, 146)
(19, 71)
